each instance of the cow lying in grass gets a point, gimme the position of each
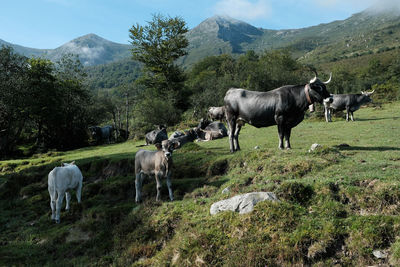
(189, 136)
(207, 130)
(60, 181)
(157, 163)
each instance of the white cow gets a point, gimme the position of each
(61, 180)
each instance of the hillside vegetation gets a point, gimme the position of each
(337, 206)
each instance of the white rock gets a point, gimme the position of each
(242, 203)
(226, 190)
(379, 254)
(314, 147)
(256, 147)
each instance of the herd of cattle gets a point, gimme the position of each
(284, 107)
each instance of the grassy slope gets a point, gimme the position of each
(338, 204)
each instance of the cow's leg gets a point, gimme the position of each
(287, 131)
(327, 114)
(158, 181)
(138, 185)
(67, 199)
(232, 128)
(351, 116)
(279, 122)
(59, 202)
(53, 195)
(347, 114)
(79, 192)
(236, 136)
(330, 114)
(169, 185)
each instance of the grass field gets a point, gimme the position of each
(338, 204)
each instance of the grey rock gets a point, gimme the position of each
(314, 147)
(226, 190)
(242, 203)
(379, 254)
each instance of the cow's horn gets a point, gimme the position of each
(370, 93)
(330, 78)
(313, 79)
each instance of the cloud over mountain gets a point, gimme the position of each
(243, 9)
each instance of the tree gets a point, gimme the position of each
(13, 99)
(158, 45)
(43, 101)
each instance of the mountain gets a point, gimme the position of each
(92, 50)
(367, 32)
(29, 52)
(364, 32)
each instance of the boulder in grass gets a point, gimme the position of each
(242, 203)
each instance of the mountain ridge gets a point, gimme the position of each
(222, 34)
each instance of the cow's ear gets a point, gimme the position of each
(62, 164)
(158, 146)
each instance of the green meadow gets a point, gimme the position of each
(337, 205)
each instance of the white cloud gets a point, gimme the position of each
(243, 9)
(380, 4)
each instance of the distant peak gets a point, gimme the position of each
(226, 18)
(91, 36)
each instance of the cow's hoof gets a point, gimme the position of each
(57, 221)
(288, 148)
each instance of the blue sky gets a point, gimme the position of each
(51, 23)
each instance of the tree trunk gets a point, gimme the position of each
(115, 125)
(127, 116)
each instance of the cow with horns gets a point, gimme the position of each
(348, 102)
(284, 107)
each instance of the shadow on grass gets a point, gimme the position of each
(362, 148)
(376, 119)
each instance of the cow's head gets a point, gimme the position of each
(318, 89)
(167, 147)
(94, 131)
(203, 123)
(366, 97)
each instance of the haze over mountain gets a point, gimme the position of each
(92, 50)
(364, 32)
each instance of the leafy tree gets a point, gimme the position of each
(43, 100)
(13, 97)
(158, 45)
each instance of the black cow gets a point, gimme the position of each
(156, 136)
(348, 102)
(284, 107)
(102, 134)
